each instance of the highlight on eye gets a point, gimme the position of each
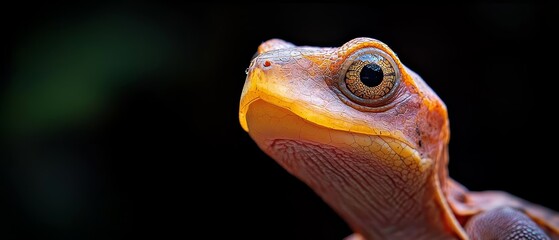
(369, 77)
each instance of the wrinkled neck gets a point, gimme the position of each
(376, 199)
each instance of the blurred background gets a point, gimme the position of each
(119, 120)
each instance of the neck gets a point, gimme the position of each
(378, 199)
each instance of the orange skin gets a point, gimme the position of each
(382, 167)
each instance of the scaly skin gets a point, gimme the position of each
(381, 167)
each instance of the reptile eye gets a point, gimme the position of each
(370, 77)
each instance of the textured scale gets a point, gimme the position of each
(505, 223)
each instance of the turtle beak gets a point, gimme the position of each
(248, 95)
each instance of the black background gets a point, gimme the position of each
(166, 157)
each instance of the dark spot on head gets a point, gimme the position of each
(419, 143)
(459, 196)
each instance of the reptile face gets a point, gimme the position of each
(358, 98)
(351, 122)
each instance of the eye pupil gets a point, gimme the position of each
(371, 75)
